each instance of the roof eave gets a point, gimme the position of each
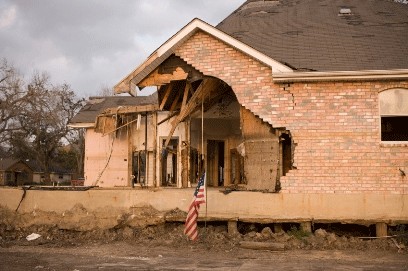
(363, 75)
(166, 49)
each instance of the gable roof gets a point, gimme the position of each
(86, 117)
(325, 35)
(6, 163)
(169, 47)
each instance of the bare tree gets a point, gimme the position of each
(43, 121)
(13, 100)
(106, 91)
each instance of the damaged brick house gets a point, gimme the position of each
(293, 97)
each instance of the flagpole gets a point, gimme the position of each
(205, 164)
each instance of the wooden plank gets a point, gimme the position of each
(129, 109)
(262, 245)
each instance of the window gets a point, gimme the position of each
(394, 114)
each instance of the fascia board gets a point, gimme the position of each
(364, 75)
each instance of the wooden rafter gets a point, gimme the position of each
(183, 104)
(166, 95)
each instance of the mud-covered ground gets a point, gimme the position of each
(143, 241)
(164, 247)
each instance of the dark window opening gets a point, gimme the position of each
(394, 128)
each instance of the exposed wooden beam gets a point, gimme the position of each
(158, 79)
(166, 95)
(183, 104)
(130, 109)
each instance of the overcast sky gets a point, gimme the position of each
(91, 44)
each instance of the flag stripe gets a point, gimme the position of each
(199, 197)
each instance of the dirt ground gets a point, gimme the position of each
(143, 240)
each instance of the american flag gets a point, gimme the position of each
(191, 221)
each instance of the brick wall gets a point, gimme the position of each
(335, 125)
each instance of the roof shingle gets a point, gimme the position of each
(312, 35)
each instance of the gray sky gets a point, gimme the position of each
(91, 44)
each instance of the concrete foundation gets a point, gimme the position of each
(236, 206)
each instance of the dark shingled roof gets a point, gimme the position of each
(97, 105)
(6, 163)
(313, 35)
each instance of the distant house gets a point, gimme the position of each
(15, 172)
(58, 175)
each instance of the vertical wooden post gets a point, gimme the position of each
(306, 227)
(155, 149)
(381, 229)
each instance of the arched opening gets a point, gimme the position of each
(236, 148)
(214, 133)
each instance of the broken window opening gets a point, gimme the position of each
(196, 165)
(287, 153)
(139, 167)
(169, 163)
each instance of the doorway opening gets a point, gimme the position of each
(139, 167)
(215, 162)
(169, 163)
